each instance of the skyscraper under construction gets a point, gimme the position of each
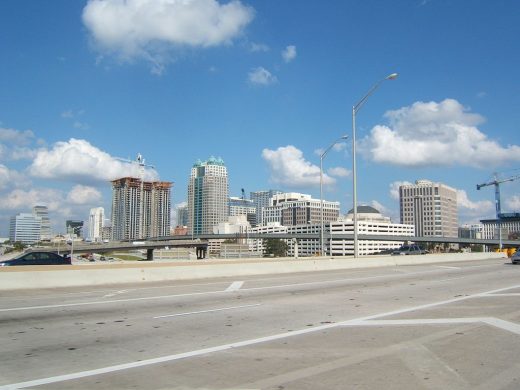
(140, 210)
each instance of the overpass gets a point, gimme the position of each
(200, 242)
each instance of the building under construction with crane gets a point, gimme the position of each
(140, 209)
(505, 224)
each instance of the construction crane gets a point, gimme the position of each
(496, 182)
(142, 165)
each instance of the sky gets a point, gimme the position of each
(267, 85)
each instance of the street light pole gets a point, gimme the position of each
(355, 109)
(322, 156)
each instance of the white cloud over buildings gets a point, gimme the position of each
(150, 29)
(288, 167)
(436, 134)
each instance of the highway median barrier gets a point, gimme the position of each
(92, 274)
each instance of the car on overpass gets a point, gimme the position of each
(409, 250)
(37, 258)
(515, 259)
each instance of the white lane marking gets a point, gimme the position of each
(217, 292)
(234, 286)
(219, 348)
(419, 321)
(501, 295)
(445, 266)
(207, 311)
(447, 280)
(506, 325)
(115, 293)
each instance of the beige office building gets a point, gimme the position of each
(430, 207)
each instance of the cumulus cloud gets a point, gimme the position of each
(474, 210)
(10, 178)
(513, 203)
(258, 47)
(16, 144)
(289, 53)
(394, 188)
(435, 134)
(25, 200)
(80, 194)
(289, 168)
(338, 172)
(150, 28)
(261, 76)
(16, 137)
(78, 161)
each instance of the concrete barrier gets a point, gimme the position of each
(90, 274)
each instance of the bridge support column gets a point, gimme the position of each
(149, 254)
(295, 242)
(201, 253)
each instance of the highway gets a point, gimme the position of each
(449, 326)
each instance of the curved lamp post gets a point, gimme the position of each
(322, 156)
(355, 109)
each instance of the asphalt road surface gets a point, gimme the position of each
(449, 326)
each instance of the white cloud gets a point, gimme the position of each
(24, 200)
(394, 188)
(338, 172)
(513, 203)
(16, 137)
(289, 53)
(261, 76)
(80, 194)
(472, 211)
(11, 179)
(148, 29)
(80, 162)
(436, 134)
(258, 47)
(289, 168)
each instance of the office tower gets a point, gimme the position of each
(260, 200)
(207, 196)
(182, 215)
(74, 228)
(430, 207)
(43, 213)
(293, 208)
(240, 206)
(95, 223)
(140, 210)
(25, 228)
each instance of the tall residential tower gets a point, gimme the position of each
(96, 218)
(207, 196)
(140, 210)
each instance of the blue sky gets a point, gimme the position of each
(263, 84)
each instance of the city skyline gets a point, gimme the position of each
(265, 94)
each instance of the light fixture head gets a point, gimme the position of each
(392, 76)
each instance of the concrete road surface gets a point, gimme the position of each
(449, 326)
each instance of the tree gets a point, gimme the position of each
(275, 247)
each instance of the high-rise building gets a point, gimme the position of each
(260, 200)
(25, 228)
(207, 196)
(96, 219)
(182, 215)
(293, 208)
(430, 207)
(140, 210)
(240, 206)
(43, 213)
(74, 228)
